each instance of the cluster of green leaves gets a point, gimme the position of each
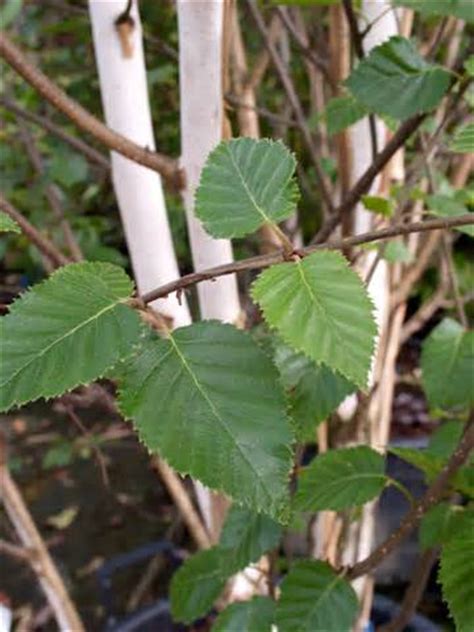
(216, 405)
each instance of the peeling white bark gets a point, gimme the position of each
(138, 190)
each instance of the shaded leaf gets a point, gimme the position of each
(394, 80)
(376, 204)
(461, 9)
(246, 183)
(445, 206)
(456, 576)
(341, 478)
(342, 112)
(463, 140)
(255, 615)
(448, 351)
(196, 585)
(396, 251)
(314, 598)
(444, 440)
(443, 523)
(315, 390)
(246, 536)
(209, 401)
(320, 307)
(68, 168)
(65, 332)
(7, 224)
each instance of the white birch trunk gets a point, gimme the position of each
(200, 64)
(200, 27)
(138, 190)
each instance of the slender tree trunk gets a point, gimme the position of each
(139, 192)
(201, 74)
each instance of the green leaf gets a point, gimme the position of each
(320, 307)
(256, 615)
(315, 390)
(246, 536)
(463, 141)
(456, 575)
(395, 80)
(68, 168)
(378, 205)
(65, 332)
(342, 112)
(7, 224)
(445, 439)
(342, 478)
(396, 251)
(196, 585)
(246, 183)
(314, 598)
(446, 206)
(448, 351)
(209, 401)
(444, 522)
(469, 65)
(9, 12)
(461, 9)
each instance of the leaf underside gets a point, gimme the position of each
(340, 479)
(208, 400)
(394, 80)
(314, 598)
(319, 306)
(65, 332)
(245, 184)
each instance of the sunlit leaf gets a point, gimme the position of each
(7, 224)
(457, 578)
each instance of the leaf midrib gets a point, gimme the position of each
(60, 339)
(214, 410)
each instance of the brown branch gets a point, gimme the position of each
(264, 261)
(312, 56)
(433, 495)
(40, 560)
(16, 552)
(44, 245)
(51, 192)
(160, 163)
(292, 95)
(76, 143)
(271, 116)
(364, 183)
(413, 594)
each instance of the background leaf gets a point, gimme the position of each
(393, 79)
(448, 351)
(446, 206)
(377, 204)
(246, 536)
(65, 332)
(255, 615)
(463, 140)
(209, 401)
(342, 112)
(314, 598)
(314, 390)
(246, 183)
(7, 224)
(339, 479)
(320, 307)
(461, 9)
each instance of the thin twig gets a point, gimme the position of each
(412, 519)
(16, 552)
(164, 165)
(413, 593)
(263, 261)
(453, 280)
(44, 245)
(50, 191)
(308, 52)
(291, 93)
(41, 562)
(271, 116)
(76, 143)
